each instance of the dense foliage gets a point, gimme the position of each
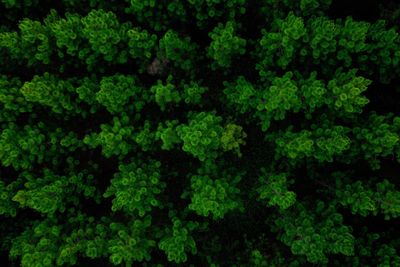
(199, 133)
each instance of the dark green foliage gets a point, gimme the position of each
(51, 92)
(379, 137)
(240, 94)
(114, 139)
(321, 143)
(22, 147)
(129, 242)
(104, 33)
(204, 135)
(279, 45)
(273, 190)
(159, 15)
(135, 188)
(7, 206)
(199, 133)
(315, 239)
(115, 92)
(11, 99)
(177, 240)
(141, 43)
(165, 94)
(366, 200)
(179, 51)
(216, 9)
(214, 196)
(193, 92)
(225, 45)
(168, 134)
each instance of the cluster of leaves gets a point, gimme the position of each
(293, 93)
(315, 238)
(379, 137)
(225, 45)
(11, 99)
(115, 139)
(51, 92)
(214, 196)
(364, 200)
(203, 136)
(302, 7)
(273, 188)
(320, 143)
(119, 90)
(180, 51)
(157, 15)
(216, 9)
(135, 188)
(129, 243)
(340, 43)
(23, 147)
(177, 240)
(97, 37)
(165, 94)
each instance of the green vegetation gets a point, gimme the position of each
(199, 133)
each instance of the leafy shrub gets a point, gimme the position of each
(225, 44)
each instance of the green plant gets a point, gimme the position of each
(225, 44)
(135, 188)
